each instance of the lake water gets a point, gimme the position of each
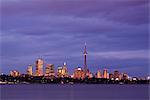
(74, 92)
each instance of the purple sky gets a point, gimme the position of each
(116, 33)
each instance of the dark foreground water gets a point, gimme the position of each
(74, 92)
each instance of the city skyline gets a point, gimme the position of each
(116, 33)
(49, 70)
(62, 72)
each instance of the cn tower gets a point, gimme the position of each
(85, 64)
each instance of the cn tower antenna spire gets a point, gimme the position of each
(85, 52)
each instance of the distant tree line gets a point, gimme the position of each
(26, 79)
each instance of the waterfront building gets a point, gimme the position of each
(105, 73)
(78, 73)
(98, 74)
(90, 75)
(111, 76)
(65, 71)
(29, 70)
(62, 71)
(59, 71)
(125, 76)
(50, 70)
(39, 67)
(116, 75)
(14, 73)
(108, 75)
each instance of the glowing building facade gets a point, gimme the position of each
(50, 70)
(111, 76)
(62, 71)
(14, 73)
(39, 67)
(116, 75)
(105, 73)
(125, 76)
(79, 73)
(98, 74)
(29, 70)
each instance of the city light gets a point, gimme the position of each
(80, 74)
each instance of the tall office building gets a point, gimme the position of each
(59, 71)
(65, 71)
(14, 73)
(105, 74)
(125, 76)
(90, 75)
(116, 75)
(29, 70)
(111, 76)
(39, 67)
(62, 71)
(98, 75)
(78, 73)
(50, 70)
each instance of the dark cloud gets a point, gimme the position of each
(57, 30)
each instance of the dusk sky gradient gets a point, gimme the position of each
(115, 31)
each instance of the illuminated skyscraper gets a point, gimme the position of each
(29, 70)
(39, 67)
(116, 75)
(62, 71)
(14, 73)
(98, 75)
(90, 75)
(105, 74)
(65, 71)
(78, 73)
(50, 70)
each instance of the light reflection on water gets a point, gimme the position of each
(74, 92)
